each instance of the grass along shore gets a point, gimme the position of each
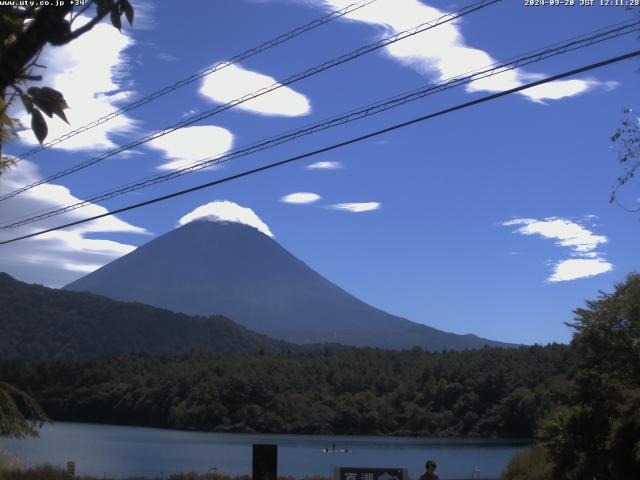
(13, 471)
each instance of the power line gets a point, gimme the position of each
(292, 79)
(576, 43)
(201, 74)
(336, 145)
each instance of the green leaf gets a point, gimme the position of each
(49, 100)
(44, 105)
(115, 18)
(56, 102)
(103, 6)
(59, 111)
(39, 125)
(51, 93)
(27, 102)
(128, 10)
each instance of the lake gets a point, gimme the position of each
(116, 451)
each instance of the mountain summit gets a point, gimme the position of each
(212, 267)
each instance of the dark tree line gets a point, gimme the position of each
(487, 392)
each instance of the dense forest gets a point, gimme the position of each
(486, 392)
(597, 433)
(581, 402)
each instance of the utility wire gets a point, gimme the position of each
(397, 126)
(201, 74)
(292, 79)
(576, 43)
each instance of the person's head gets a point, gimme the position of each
(430, 466)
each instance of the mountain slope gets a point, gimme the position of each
(208, 267)
(43, 323)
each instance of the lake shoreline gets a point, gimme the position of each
(249, 431)
(111, 451)
(50, 472)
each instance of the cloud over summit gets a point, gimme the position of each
(226, 211)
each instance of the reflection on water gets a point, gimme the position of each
(113, 451)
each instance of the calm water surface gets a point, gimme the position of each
(113, 451)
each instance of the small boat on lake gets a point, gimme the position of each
(333, 450)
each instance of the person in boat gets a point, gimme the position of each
(430, 473)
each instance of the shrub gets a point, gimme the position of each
(530, 464)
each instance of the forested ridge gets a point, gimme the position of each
(486, 392)
(37, 322)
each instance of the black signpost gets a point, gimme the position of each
(365, 473)
(265, 462)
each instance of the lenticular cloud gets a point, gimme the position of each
(226, 211)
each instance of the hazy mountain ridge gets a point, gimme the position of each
(207, 267)
(37, 322)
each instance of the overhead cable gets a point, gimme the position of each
(495, 69)
(335, 146)
(288, 81)
(201, 74)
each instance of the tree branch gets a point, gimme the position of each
(85, 28)
(44, 27)
(82, 10)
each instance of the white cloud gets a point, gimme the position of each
(443, 51)
(191, 144)
(566, 233)
(189, 113)
(324, 166)
(58, 257)
(82, 268)
(579, 268)
(357, 207)
(234, 82)
(559, 89)
(87, 72)
(167, 57)
(301, 197)
(226, 211)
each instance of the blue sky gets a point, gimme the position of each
(493, 220)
